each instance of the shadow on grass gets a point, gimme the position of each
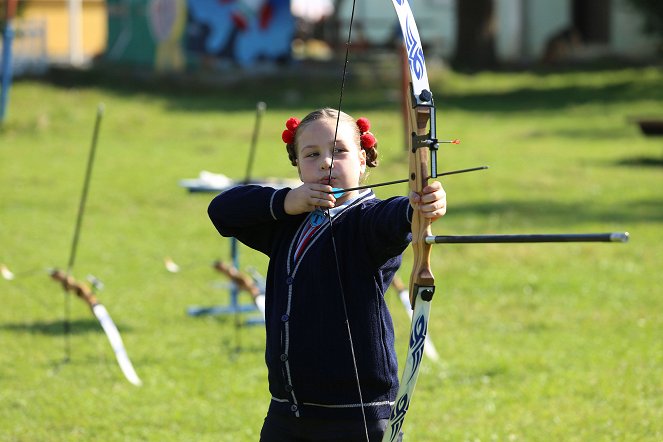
(235, 343)
(589, 133)
(287, 88)
(529, 99)
(318, 85)
(542, 213)
(234, 351)
(56, 328)
(642, 162)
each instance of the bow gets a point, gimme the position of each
(82, 291)
(85, 293)
(422, 147)
(243, 282)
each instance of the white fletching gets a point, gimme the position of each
(6, 273)
(171, 266)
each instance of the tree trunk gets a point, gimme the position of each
(475, 42)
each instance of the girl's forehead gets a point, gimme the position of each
(328, 124)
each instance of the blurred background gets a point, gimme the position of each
(562, 99)
(190, 35)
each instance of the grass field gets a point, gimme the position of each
(539, 342)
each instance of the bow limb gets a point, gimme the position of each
(422, 159)
(404, 296)
(112, 333)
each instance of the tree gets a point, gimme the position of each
(475, 42)
(652, 11)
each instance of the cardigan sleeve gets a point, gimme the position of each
(249, 213)
(388, 227)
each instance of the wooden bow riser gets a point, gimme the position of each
(422, 275)
(241, 280)
(71, 285)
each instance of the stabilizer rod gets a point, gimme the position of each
(529, 238)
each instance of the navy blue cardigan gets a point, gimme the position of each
(307, 353)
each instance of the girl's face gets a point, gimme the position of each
(315, 146)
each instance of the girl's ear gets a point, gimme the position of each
(362, 160)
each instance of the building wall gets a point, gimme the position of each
(510, 16)
(545, 18)
(378, 23)
(523, 28)
(55, 14)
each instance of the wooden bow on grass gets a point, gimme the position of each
(243, 282)
(84, 292)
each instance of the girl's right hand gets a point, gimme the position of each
(308, 197)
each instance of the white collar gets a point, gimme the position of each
(363, 194)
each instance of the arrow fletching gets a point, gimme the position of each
(171, 266)
(6, 273)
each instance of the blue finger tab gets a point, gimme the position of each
(337, 192)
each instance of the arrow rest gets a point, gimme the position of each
(429, 140)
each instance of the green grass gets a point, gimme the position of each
(538, 342)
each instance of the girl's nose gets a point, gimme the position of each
(326, 163)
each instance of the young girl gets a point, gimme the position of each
(329, 381)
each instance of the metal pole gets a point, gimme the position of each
(77, 228)
(260, 109)
(7, 39)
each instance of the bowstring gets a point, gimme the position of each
(331, 225)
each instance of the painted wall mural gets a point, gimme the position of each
(241, 30)
(167, 20)
(210, 33)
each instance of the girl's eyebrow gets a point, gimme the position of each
(309, 147)
(317, 146)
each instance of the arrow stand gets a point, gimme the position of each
(233, 307)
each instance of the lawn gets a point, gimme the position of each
(538, 342)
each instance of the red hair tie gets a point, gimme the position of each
(366, 139)
(288, 135)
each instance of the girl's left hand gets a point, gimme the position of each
(432, 203)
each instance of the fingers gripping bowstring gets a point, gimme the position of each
(331, 224)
